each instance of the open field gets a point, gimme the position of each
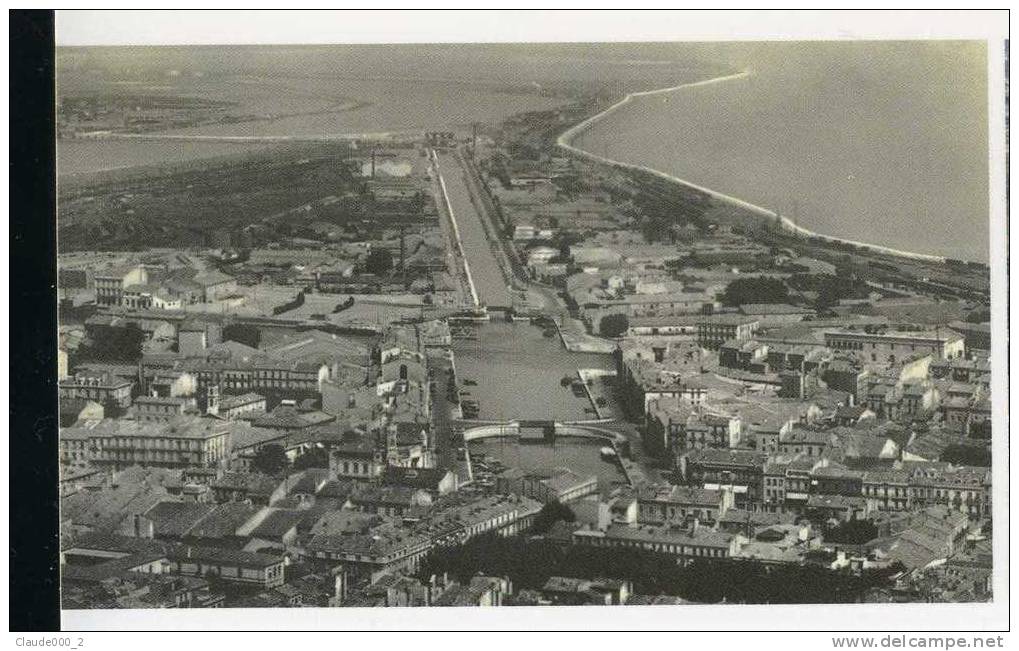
(183, 207)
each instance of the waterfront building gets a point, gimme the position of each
(557, 485)
(661, 504)
(684, 427)
(645, 382)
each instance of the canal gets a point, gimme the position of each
(514, 371)
(580, 455)
(484, 265)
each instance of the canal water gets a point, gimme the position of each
(580, 455)
(514, 372)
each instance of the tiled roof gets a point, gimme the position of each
(224, 520)
(277, 523)
(176, 519)
(223, 555)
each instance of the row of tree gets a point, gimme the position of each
(529, 562)
(272, 460)
(290, 305)
(828, 288)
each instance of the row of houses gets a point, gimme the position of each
(777, 482)
(129, 286)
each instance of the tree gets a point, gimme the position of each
(244, 333)
(830, 289)
(564, 252)
(755, 290)
(529, 562)
(853, 532)
(118, 344)
(967, 455)
(613, 325)
(656, 228)
(379, 262)
(292, 305)
(845, 267)
(979, 315)
(313, 458)
(827, 298)
(270, 459)
(524, 151)
(550, 514)
(344, 305)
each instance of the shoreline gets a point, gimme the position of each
(249, 144)
(565, 141)
(182, 137)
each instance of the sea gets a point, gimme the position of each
(883, 142)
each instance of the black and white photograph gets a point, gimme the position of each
(530, 324)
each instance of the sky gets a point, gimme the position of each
(186, 27)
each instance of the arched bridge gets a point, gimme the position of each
(547, 430)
